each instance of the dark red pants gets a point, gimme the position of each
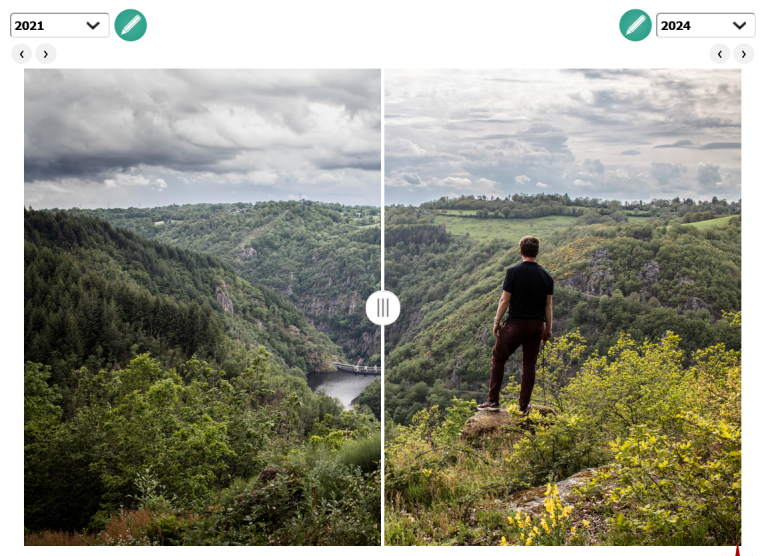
(526, 333)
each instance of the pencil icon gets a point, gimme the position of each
(635, 25)
(137, 18)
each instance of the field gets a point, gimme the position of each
(710, 223)
(483, 229)
(633, 219)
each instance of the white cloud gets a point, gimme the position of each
(404, 179)
(400, 147)
(580, 128)
(455, 182)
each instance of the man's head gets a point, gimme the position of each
(529, 247)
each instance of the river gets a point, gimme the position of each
(345, 386)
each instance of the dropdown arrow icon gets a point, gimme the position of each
(739, 27)
(97, 24)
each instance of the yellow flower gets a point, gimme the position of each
(573, 530)
(529, 542)
(503, 541)
(511, 521)
(522, 537)
(585, 522)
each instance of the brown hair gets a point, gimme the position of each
(529, 246)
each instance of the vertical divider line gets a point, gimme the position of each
(383, 358)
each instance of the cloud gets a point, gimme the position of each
(678, 144)
(710, 146)
(404, 179)
(664, 172)
(263, 130)
(708, 174)
(584, 132)
(594, 166)
(455, 182)
(403, 147)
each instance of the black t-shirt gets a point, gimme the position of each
(529, 285)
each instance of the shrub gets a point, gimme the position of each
(364, 453)
(555, 447)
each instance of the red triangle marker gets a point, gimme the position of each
(737, 550)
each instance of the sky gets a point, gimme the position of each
(121, 138)
(607, 134)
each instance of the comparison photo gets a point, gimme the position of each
(566, 249)
(198, 249)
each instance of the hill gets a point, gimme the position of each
(161, 390)
(96, 295)
(325, 258)
(611, 277)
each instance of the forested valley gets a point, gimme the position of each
(165, 399)
(325, 258)
(642, 375)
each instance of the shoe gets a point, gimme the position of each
(488, 405)
(525, 410)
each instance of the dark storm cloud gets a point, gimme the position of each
(486, 132)
(93, 132)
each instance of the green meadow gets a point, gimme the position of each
(710, 223)
(482, 229)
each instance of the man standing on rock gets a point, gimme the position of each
(528, 290)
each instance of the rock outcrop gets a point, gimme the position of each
(532, 500)
(267, 474)
(490, 423)
(246, 254)
(222, 296)
(598, 280)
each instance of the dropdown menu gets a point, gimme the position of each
(60, 25)
(705, 25)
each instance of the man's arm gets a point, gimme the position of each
(503, 304)
(547, 335)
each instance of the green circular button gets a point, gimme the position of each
(635, 25)
(130, 25)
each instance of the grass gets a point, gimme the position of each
(633, 219)
(130, 524)
(364, 453)
(482, 229)
(710, 223)
(57, 538)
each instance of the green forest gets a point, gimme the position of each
(165, 401)
(631, 282)
(323, 257)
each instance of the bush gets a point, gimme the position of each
(365, 453)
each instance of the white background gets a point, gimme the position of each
(399, 34)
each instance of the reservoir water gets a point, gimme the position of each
(345, 386)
